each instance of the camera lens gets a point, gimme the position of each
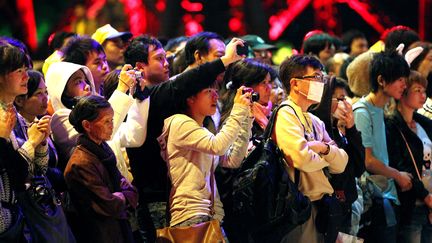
(255, 97)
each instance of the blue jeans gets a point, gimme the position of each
(419, 230)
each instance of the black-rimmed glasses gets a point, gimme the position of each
(316, 77)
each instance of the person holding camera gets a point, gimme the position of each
(148, 168)
(192, 153)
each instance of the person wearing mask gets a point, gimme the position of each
(304, 141)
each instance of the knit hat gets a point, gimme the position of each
(358, 74)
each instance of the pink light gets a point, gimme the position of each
(94, 7)
(25, 9)
(235, 24)
(136, 13)
(279, 22)
(193, 27)
(191, 7)
(160, 5)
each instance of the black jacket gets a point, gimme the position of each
(400, 159)
(352, 144)
(148, 168)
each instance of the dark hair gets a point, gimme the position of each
(35, 78)
(200, 43)
(110, 83)
(295, 66)
(178, 64)
(138, 49)
(56, 40)
(349, 36)
(390, 65)
(32, 84)
(316, 43)
(245, 72)
(78, 50)
(173, 43)
(400, 34)
(87, 108)
(12, 58)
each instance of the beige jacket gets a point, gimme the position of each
(190, 150)
(289, 134)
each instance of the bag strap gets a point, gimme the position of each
(269, 129)
(412, 156)
(212, 180)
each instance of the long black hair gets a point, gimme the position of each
(245, 72)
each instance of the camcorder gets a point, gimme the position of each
(254, 95)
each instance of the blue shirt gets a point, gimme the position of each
(369, 120)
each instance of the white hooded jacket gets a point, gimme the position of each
(65, 136)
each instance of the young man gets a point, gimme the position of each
(388, 73)
(304, 140)
(148, 168)
(87, 52)
(114, 44)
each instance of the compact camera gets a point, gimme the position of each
(140, 94)
(255, 95)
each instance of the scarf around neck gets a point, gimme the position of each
(104, 153)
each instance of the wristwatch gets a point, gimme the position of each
(327, 150)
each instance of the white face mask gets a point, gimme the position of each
(315, 92)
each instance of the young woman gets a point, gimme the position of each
(337, 114)
(32, 106)
(44, 215)
(100, 194)
(192, 153)
(17, 176)
(407, 125)
(13, 165)
(252, 74)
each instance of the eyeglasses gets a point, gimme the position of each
(316, 77)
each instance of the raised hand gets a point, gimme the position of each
(231, 52)
(7, 121)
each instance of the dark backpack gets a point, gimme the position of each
(263, 197)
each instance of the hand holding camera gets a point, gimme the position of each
(254, 95)
(126, 79)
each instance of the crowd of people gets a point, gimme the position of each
(119, 136)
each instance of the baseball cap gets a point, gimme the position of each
(257, 43)
(107, 32)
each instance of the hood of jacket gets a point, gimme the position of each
(56, 79)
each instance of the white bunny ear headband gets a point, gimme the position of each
(411, 54)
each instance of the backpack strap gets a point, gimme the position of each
(269, 129)
(363, 106)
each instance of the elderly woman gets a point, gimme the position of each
(98, 191)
